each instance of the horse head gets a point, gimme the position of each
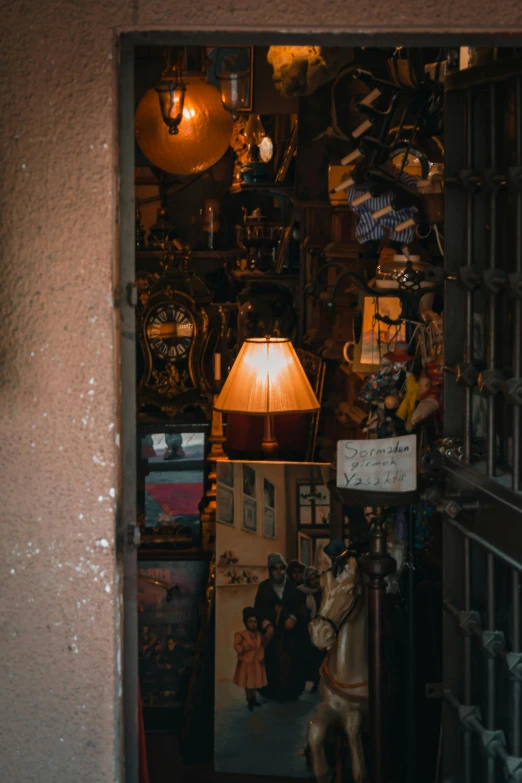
(340, 596)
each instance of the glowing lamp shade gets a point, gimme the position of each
(203, 133)
(267, 379)
(233, 89)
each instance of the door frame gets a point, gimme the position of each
(126, 41)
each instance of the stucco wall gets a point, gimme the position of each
(58, 391)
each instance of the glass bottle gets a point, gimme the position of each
(211, 224)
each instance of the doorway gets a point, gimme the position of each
(306, 209)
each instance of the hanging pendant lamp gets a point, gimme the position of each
(200, 136)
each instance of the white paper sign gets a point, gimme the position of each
(382, 465)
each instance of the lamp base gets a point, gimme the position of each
(269, 444)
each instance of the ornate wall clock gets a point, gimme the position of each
(178, 329)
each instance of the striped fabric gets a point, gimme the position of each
(368, 228)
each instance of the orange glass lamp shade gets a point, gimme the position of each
(267, 379)
(172, 100)
(204, 130)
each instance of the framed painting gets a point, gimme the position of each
(313, 505)
(269, 523)
(249, 481)
(169, 597)
(377, 337)
(225, 505)
(305, 549)
(171, 484)
(250, 515)
(225, 473)
(267, 741)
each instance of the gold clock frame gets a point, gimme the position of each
(163, 385)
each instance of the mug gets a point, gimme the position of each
(349, 351)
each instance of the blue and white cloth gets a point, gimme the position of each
(370, 228)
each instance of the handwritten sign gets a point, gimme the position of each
(382, 465)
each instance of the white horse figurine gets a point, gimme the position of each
(340, 627)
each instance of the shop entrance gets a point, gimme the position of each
(364, 203)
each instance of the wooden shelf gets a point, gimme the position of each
(272, 276)
(279, 188)
(195, 254)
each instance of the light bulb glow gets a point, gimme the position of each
(267, 377)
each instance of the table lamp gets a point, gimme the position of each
(267, 379)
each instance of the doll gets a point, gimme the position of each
(429, 395)
(384, 391)
(249, 645)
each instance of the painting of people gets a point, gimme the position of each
(169, 594)
(267, 670)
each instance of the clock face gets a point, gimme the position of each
(266, 150)
(170, 331)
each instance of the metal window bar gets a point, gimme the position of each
(467, 652)
(501, 748)
(484, 267)
(468, 344)
(517, 320)
(492, 302)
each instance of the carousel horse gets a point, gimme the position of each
(340, 627)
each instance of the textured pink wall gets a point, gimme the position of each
(58, 351)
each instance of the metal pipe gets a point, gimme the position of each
(516, 720)
(495, 744)
(377, 565)
(468, 341)
(490, 707)
(510, 561)
(412, 727)
(467, 656)
(517, 320)
(492, 301)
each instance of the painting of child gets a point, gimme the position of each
(249, 644)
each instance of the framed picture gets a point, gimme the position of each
(224, 505)
(233, 59)
(169, 597)
(245, 740)
(377, 337)
(171, 484)
(225, 473)
(269, 493)
(313, 505)
(305, 549)
(269, 525)
(249, 481)
(250, 515)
